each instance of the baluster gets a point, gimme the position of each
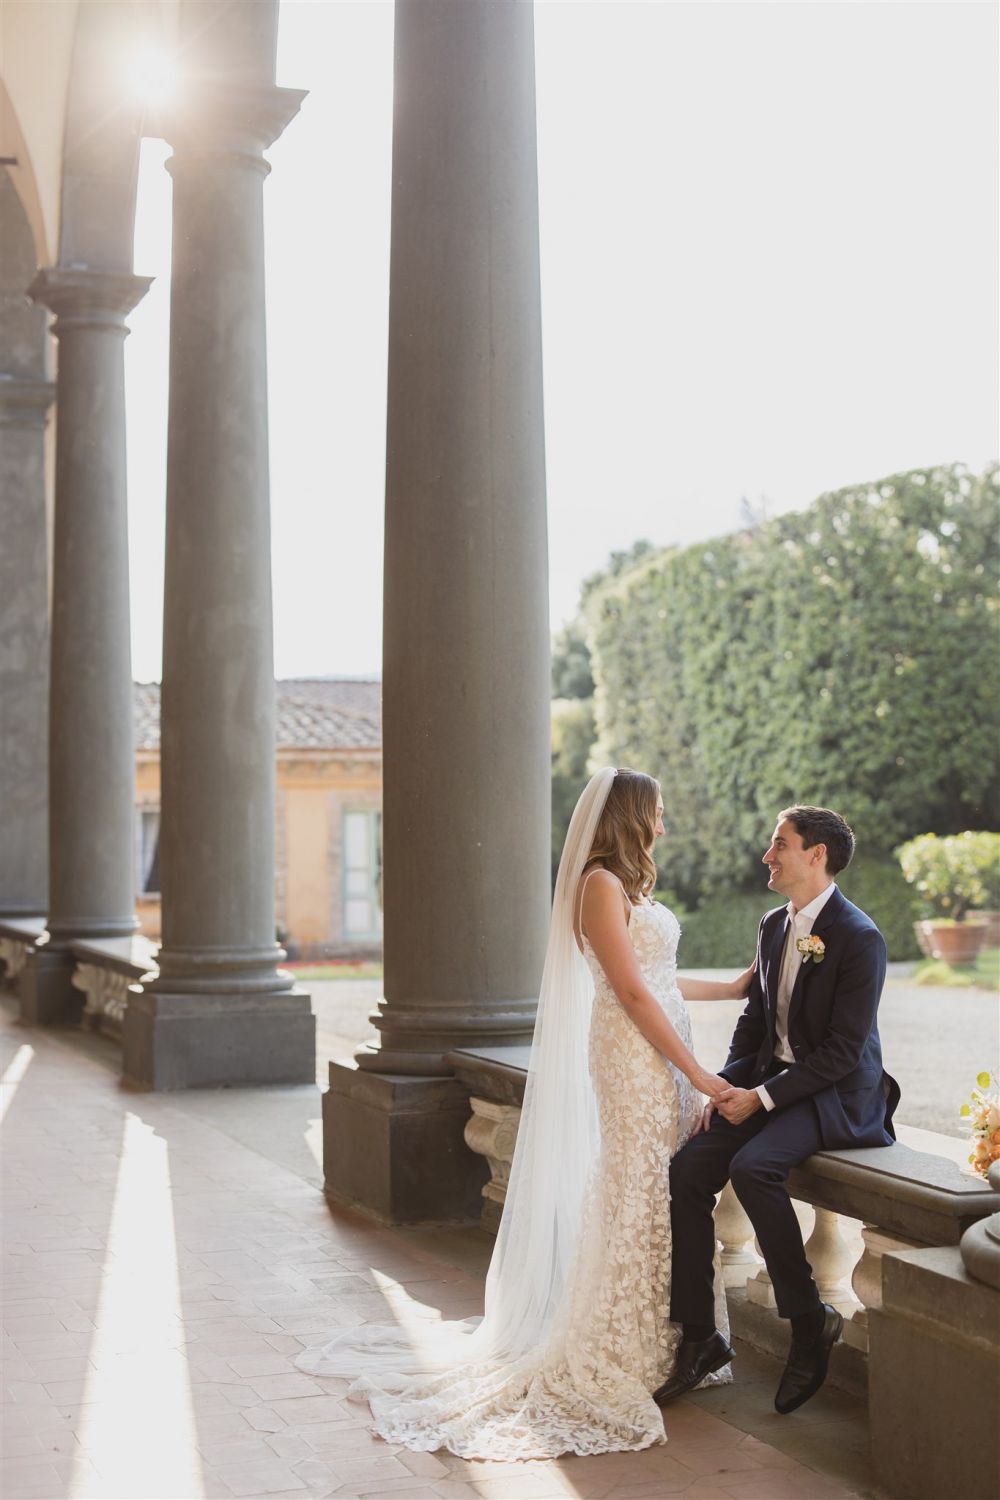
(760, 1288)
(735, 1232)
(491, 1131)
(867, 1281)
(831, 1259)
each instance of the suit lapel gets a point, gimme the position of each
(772, 970)
(820, 925)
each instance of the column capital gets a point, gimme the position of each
(24, 401)
(215, 120)
(85, 298)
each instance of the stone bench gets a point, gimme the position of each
(905, 1199)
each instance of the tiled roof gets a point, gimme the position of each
(314, 713)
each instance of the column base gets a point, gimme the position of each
(184, 1041)
(395, 1146)
(45, 988)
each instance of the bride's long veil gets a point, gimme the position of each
(557, 1145)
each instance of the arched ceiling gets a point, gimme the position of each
(67, 116)
(36, 48)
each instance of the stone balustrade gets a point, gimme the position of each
(18, 935)
(105, 973)
(855, 1208)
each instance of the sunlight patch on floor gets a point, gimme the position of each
(137, 1422)
(314, 1140)
(13, 1073)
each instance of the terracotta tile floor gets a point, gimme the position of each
(166, 1256)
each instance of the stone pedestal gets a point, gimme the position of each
(221, 1010)
(201, 1040)
(467, 770)
(398, 1145)
(91, 760)
(934, 1378)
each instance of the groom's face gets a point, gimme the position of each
(789, 862)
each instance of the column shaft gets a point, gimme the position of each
(466, 659)
(26, 395)
(24, 665)
(467, 790)
(221, 1010)
(91, 758)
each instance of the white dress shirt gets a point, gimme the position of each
(799, 926)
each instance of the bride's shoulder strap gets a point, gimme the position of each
(578, 913)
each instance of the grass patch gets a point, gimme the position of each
(335, 969)
(984, 973)
(934, 971)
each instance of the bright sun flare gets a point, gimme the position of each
(153, 74)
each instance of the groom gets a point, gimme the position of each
(806, 1075)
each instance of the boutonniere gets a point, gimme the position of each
(811, 947)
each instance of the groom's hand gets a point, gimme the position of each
(737, 1105)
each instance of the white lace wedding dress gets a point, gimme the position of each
(587, 1388)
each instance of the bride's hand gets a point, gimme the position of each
(709, 1083)
(741, 986)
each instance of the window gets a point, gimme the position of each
(362, 875)
(149, 852)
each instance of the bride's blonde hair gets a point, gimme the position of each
(623, 840)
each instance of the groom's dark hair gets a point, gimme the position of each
(820, 825)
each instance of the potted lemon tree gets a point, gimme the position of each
(955, 878)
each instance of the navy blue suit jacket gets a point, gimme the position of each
(832, 1028)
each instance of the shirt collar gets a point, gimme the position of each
(814, 907)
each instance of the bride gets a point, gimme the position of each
(576, 1336)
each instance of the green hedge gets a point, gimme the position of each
(722, 933)
(723, 929)
(878, 887)
(842, 655)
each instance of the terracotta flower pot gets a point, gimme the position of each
(952, 942)
(990, 921)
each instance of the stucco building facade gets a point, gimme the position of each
(328, 816)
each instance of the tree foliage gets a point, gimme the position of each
(842, 655)
(953, 875)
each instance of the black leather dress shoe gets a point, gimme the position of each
(696, 1358)
(807, 1363)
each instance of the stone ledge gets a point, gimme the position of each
(914, 1194)
(495, 1073)
(134, 955)
(932, 1285)
(22, 929)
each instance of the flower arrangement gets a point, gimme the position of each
(983, 1111)
(811, 947)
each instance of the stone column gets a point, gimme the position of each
(24, 664)
(91, 761)
(25, 397)
(220, 1011)
(466, 733)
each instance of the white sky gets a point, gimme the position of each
(769, 256)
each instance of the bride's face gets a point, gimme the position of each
(659, 830)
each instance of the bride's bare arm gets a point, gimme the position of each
(603, 922)
(717, 989)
